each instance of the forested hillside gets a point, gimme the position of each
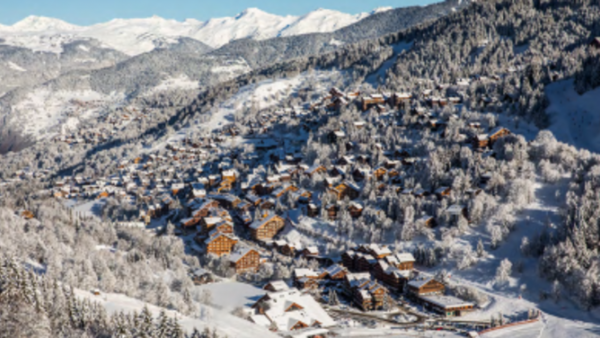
(429, 140)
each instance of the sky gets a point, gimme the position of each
(87, 12)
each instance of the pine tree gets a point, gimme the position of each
(176, 330)
(163, 327)
(333, 298)
(146, 323)
(480, 249)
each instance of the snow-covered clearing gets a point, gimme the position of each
(92, 208)
(224, 322)
(574, 118)
(180, 82)
(43, 111)
(230, 295)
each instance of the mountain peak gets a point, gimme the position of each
(35, 23)
(252, 12)
(381, 9)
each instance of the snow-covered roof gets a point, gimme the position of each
(455, 209)
(446, 302)
(307, 310)
(405, 257)
(259, 223)
(236, 256)
(418, 283)
(441, 190)
(334, 269)
(497, 130)
(379, 250)
(299, 273)
(278, 285)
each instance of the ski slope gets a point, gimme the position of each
(225, 323)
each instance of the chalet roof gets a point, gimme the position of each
(446, 302)
(259, 223)
(314, 168)
(455, 209)
(352, 186)
(354, 279)
(403, 95)
(497, 130)
(334, 270)
(310, 313)
(419, 283)
(239, 254)
(378, 249)
(299, 273)
(441, 190)
(356, 205)
(278, 285)
(215, 235)
(405, 257)
(313, 250)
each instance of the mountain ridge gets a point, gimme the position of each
(138, 35)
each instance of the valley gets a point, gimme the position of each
(437, 179)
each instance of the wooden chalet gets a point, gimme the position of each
(201, 276)
(335, 272)
(207, 224)
(355, 209)
(428, 221)
(348, 259)
(391, 275)
(311, 251)
(398, 98)
(442, 192)
(498, 133)
(425, 286)
(345, 189)
(448, 306)
(366, 293)
(201, 208)
(266, 228)
(370, 101)
(379, 173)
(219, 243)
(456, 211)
(276, 286)
(332, 211)
(487, 140)
(227, 201)
(245, 259)
(402, 261)
(315, 169)
(375, 250)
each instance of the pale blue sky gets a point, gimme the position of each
(86, 12)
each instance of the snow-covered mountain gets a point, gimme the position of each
(136, 36)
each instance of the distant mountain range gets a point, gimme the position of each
(48, 65)
(136, 36)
